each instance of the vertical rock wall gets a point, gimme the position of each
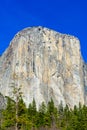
(46, 64)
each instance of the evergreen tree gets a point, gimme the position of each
(22, 114)
(9, 114)
(17, 94)
(41, 122)
(46, 118)
(32, 113)
(52, 112)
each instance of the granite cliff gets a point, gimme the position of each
(46, 64)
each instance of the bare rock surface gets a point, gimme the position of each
(46, 64)
(2, 102)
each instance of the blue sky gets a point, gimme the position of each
(65, 16)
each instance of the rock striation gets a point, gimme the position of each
(47, 64)
(2, 102)
(85, 82)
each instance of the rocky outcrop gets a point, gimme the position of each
(46, 64)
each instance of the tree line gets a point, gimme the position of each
(16, 116)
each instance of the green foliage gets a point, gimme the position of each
(22, 118)
(9, 114)
(46, 118)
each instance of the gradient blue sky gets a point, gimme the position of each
(65, 16)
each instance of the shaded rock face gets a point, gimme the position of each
(46, 64)
(85, 81)
(2, 102)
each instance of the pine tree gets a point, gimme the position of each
(41, 115)
(22, 115)
(9, 114)
(53, 113)
(32, 113)
(17, 94)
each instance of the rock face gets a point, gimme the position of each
(85, 82)
(2, 102)
(46, 64)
